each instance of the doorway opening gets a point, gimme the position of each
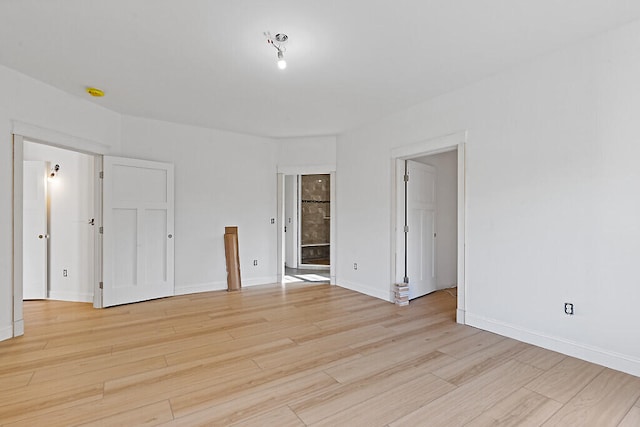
(74, 153)
(58, 223)
(314, 213)
(428, 226)
(307, 228)
(306, 218)
(133, 201)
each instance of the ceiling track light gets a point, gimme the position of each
(278, 43)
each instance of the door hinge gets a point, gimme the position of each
(406, 178)
(406, 228)
(101, 175)
(101, 230)
(101, 285)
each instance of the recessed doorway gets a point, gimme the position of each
(58, 223)
(437, 246)
(306, 218)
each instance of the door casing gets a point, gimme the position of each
(20, 132)
(280, 238)
(456, 141)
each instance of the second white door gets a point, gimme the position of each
(421, 219)
(138, 241)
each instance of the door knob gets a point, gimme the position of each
(170, 235)
(40, 236)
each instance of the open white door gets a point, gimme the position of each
(138, 213)
(35, 233)
(421, 219)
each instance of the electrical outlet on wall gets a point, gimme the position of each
(255, 262)
(568, 308)
(65, 273)
(355, 265)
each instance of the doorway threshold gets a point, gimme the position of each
(306, 275)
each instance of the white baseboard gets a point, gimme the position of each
(372, 292)
(221, 286)
(200, 287)
(619, 362)
(266, 280)
(6, 333)
(460, 316)
(18, 328)
(71, 296)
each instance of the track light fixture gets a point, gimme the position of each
(278, 42)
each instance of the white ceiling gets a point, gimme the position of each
(206, 62)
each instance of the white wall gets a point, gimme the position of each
(30, 101)
(552, 215)
(221, 179)
(446, 165)
(308, 151)
(71, 244)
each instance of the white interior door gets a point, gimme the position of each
(35, 233)
(138, 243)
(421, 219)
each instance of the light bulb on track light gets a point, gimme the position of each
(282, 63)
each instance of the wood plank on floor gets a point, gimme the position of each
(605, 401)
(565, 379)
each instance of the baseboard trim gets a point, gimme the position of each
(266, 280)
(70, 296)
(201, 287)
(613, 360)
(18, 328)
(372, 292)
(222, 286)
(6, 333)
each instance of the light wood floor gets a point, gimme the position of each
(304, 355)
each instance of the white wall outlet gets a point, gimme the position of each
(568, 308)
(65, 273)
(355, 265)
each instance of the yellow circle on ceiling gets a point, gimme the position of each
(95, 91)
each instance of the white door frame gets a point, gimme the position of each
(291, 222)
(22, 131)
(437, 145)
(305, 170)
